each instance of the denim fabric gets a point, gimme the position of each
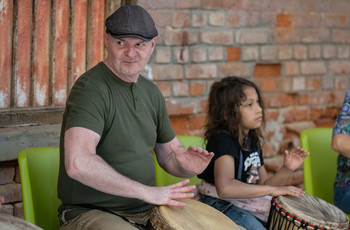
(342, 198)
(239, 216)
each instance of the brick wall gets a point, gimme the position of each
(296, 51)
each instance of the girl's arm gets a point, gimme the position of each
(228, 187)
(292, 160)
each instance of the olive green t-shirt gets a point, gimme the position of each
(130, 118)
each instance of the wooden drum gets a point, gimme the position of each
(194, 216)
(305, 212)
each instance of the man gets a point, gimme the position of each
(113, 120)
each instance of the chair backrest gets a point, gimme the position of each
(163, 178)
(39, 173)
(321, 165)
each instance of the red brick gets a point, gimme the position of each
(157, 4)
(200, 71)
(285, 36)
(313, 67)
(219, 4)
(283, 20)
(97, 31)
(330, 112)
(11, 192)
(199, 19)
(179, 124)
(267, 84)
(79, 38)
(179, 108)
(282, 100)
(329, 51)
(198, 54)
(197, 89)
(315, 114)
(340, 36)
(271, 115)
(339, 67)
(196, 122)
(213, 37)
(250, 53)
(269, 53)
(300, 52)
(315, 35)
(204, 105)
(314, 51)
(182, 19)
(6, 38)
(61, 52)
(300, 114)
(252, 37)
(291, 68)
(185, 4)
(182, 54)
(217, 18)
(232, 53)
(167, 72)
(335, 21)
(313, 83)
(163, 55)
(164, 87)
(234, 68)
(7, 173)
(41, 64)
(216, 53)
(180, 89)
(267, 70)
(179, 37)
(162, 18)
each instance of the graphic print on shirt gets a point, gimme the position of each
(251, 166)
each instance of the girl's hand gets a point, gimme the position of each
(294, 158)
(287, 190)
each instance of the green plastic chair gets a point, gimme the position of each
(39, 173)
(163, 178)
(320, 167)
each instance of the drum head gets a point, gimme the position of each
(8, 222)
(315, 211)
(195, 215)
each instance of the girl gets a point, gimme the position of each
(235, 181)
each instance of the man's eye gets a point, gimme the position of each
(120, 43)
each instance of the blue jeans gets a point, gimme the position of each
(239, 216)
(342, 198)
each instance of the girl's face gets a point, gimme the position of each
(251, 112)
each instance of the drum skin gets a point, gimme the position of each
(8, 222)
(312, 211)
(194, 216)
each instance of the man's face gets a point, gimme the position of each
(128, 56)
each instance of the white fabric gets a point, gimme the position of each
(259, 206)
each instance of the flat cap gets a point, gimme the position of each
(131, 21)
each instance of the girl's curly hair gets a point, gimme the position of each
(224, 103)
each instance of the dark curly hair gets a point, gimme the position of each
(224, 102)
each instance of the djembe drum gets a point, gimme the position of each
(194, 216)
(305, 212)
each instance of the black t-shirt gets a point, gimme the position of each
(224, 144)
